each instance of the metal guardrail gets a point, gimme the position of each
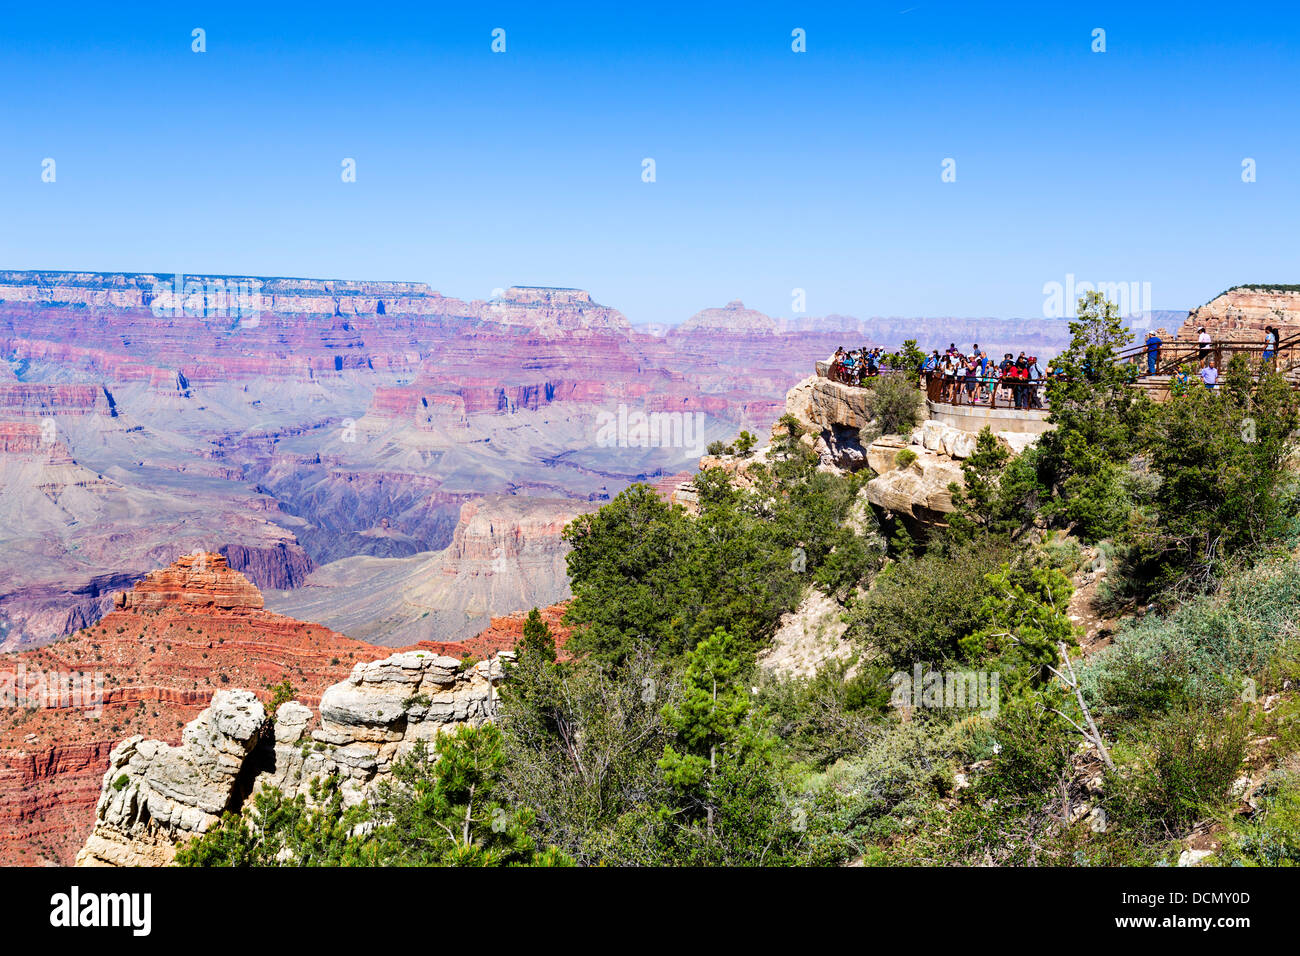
(1171, 357)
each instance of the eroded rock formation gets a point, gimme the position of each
(155, 797)
(195, 628)
(1240, 314)
(184, 632)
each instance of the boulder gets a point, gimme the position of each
(918, 491)
(882, 454)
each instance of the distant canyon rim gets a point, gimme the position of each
(351, 445)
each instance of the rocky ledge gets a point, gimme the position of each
(915, 486)
(155, 796)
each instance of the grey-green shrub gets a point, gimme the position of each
(1203, 652)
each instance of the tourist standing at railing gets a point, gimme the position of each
(930, 369)
(949, 379)
(977, 373)
(1035, 383)
(1270, 344)
(1020, 371)
(1153, 350)
(1203, 341)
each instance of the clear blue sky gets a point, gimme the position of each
(775, 170)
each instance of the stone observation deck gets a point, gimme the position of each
(998, 412)
(973, 418)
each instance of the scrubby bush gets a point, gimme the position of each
(919, 608)
(904, 457)
(869, 797)
(1202, 652)
(830, 714)
(896, 404)
(1186, 771)
(1033, 751)
(1271, 837)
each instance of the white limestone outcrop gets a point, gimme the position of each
(156, 796)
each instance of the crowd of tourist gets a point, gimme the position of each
(855, 366)
(974, 378)
(954, 376)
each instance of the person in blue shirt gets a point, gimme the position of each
(1153, 351)
(1210, 374)
(1270, 343)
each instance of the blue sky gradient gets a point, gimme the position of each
(775, 170)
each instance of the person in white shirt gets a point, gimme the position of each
(1204, 340)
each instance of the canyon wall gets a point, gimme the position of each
(1240, 314)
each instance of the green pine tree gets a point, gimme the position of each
(537, 638)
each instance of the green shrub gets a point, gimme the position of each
(895, 404)
(904, 457)
(1033, 752)
(827, 716)
(1186, 774)
(894, 777)
(919, 608)
(1272, 837)
(745, 444)
(1202, 652)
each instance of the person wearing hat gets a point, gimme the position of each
(1153, 350)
